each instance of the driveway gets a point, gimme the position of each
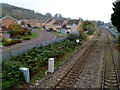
(43, 37)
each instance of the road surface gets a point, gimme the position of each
(43, 37)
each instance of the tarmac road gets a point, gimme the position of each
(43, 37)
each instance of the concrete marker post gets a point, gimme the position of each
(51, 65)
(25, 73)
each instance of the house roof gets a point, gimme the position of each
(70, 22)
(4, 29)
(44, 21)
(49, 20)
(58, 22)
(9, 17)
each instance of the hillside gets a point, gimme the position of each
(20, 13)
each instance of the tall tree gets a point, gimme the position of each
(115, 17)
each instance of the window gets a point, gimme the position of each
(74, 30)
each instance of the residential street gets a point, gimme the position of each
(43, 37)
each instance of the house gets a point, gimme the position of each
(73, 25)
(44, 24)
(4, 32)
(25, 22)
(33, 23)
(49, 24)
(58, 25)
(65, 29)
(8, 20)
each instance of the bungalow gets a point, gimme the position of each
(4, 32)
(8, 20)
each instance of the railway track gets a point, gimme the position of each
(68, 79)
(110, 75)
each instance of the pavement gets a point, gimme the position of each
(43, 38)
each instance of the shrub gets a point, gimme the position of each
(119, 38)
(27, 38)
(12, 42)
(90, 32)
(11, 74)
(19, 37)
(6, 40)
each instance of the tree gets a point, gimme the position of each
(115, 17)
(16, 29)
(48, 15)
(58, 15)
(88, 26)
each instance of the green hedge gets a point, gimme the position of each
(12, 42)
(34, 59)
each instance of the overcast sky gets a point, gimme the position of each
(86, 9)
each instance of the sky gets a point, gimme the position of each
(85, 9)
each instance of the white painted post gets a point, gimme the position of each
(25, 73)
(51, 65)
(77, 41)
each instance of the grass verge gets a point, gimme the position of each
(30, 36)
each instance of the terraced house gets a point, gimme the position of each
(58, 25)
(49, 24)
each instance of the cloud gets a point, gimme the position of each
(86, 9)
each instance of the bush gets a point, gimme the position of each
(119, 38)
(27, 38)
(12, 42)
(11, 74)
(19, 37)
(90, 32)
(6, 40)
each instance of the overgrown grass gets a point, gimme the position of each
(56, 64)
(39, 76)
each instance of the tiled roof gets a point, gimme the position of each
(70, 22)
(9, 17)
(49, 21)
(58, 22)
